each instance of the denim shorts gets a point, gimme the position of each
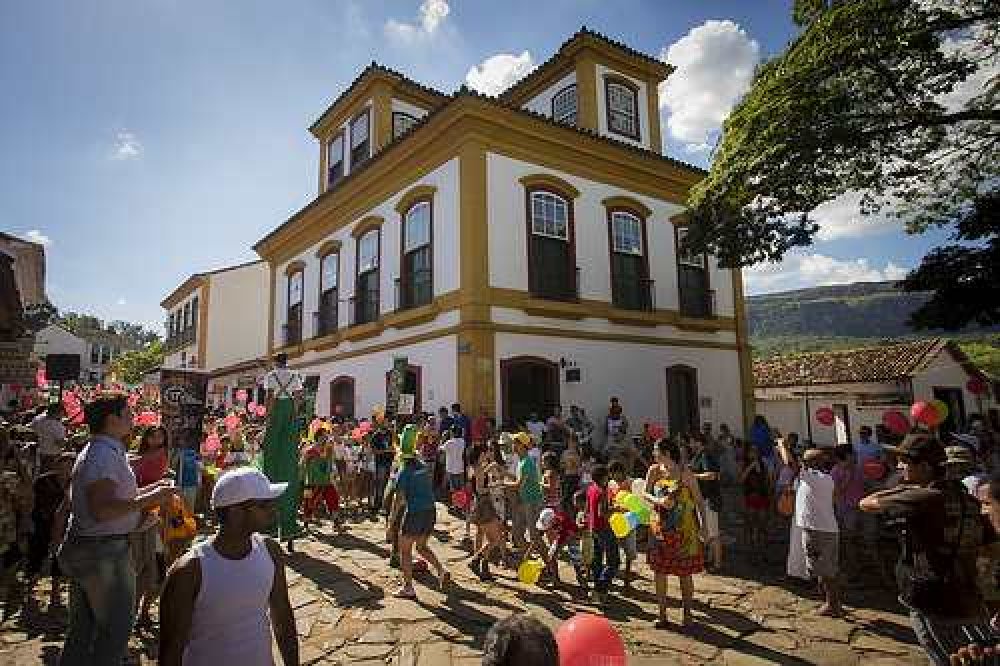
(418, 523)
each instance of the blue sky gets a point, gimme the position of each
(145, 140)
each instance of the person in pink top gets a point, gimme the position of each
(849, 488)
(145, 542)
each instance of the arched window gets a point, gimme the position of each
(416, 269)
(551, 252)
(293, 315)
(366, 293)
(631, 287)
(329, 282)
(622, 103)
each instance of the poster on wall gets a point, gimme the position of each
(406, 403)
(182, 405)
(394, 388)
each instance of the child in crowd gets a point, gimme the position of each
(552, 481)
(559, 531)
(571, 462)
(606, 556)
(585, 541)
(756, 481)
(318, 478)
(623, 483)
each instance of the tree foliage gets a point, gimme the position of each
(130, 367)
(39, 315)
(868, 98)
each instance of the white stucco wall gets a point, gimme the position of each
(508, 231)
(445, 239)
(437, 361)
(542, 103)
(237, 316)
(602, 116)
(633, 372)
(945, 372)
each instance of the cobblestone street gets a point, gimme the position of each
(341, 586)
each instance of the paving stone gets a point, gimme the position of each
(830, 629)
(829, 655)
(380, 633)
(675, 642)
(869, 642)
(401, 610)
(434, 654)
(368, 650)
(736, 658)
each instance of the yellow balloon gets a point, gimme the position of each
(530, 571)
(619, 525)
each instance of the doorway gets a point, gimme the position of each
(841, 424)
(342, 397)
(956, 408)
(682, 399)
(412, 385)
(529, 385)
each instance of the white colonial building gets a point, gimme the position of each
(860, 385)
(217, 322)
(521, 252)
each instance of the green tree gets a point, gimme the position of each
(880, 97)
(39, 315)
(130, 367)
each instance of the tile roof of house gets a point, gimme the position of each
(870, 364)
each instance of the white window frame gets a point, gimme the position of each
(330, 162)
(409, 223)
(295, 284)
(368, 263)
(407, 121)
(557, 201)
(632, 113)
(684, 258)
(567, 116)
(325, 286)
(620, 217)
(355, 142)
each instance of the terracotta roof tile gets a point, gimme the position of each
(871, 364)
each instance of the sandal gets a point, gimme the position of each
(406, 593)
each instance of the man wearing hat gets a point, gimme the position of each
(944, 528)
(222, 597)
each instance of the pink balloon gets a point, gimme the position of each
(241, 395)
(252, 408)
(825, 416)
(587, 639)
(365, 427)
(261, 411)
(923, 412)
(896, 422)
(211, 444)
(232, 422)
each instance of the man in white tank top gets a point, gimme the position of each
(222, 597)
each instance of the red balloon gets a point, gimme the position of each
(923, 412)
(825, 416)
(976, 386)
(586, 639)
(896, 422)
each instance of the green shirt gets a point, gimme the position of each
(317, 469)
(531, 488)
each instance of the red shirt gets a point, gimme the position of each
(566, 529)
(151, 467)
(596, 518)
(479, 429)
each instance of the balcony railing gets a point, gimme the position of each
(182, 338)
(416, 291)
(364, 307)
(555, 285)
(698, 303)
(634, 293)
(292, 333)
(325, 321)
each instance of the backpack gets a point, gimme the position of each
(930, 576)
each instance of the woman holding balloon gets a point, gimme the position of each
(675, 547)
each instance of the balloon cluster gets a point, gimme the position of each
(361, 431)
(147, 419)
(896, 422)
(929, 413)
(636, 513)
(211, 444)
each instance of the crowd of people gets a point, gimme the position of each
(115, 508)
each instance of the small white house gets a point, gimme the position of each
(860, 385)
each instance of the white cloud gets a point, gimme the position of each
(431, 14)
(841, 218)
(799, 270)
(121, 301)
(36, 236)
(126, 146)
(715, 64)
(498, 72)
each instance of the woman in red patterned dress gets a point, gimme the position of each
(675, 547)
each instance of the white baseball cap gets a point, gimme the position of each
(243, 484)
(546, 519)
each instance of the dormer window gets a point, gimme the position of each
(335, 160)
(623, 108)
(401, 123)
(359, 140)
(564, 105)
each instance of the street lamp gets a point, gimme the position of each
(804, 378)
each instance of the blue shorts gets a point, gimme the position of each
(418, 523)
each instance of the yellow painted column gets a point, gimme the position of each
(322, 165)
(743, 350)
(475, 353)
(381, 116)
(202, 315)
(653, 110)
(270, 309)
(586, 91)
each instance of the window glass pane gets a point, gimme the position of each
(294, 289)
(368, 252)
(417, 229)
(685, 256)
(564, 106)
(335, 151)
(626, 233)
(549, 215)
(622, 116)
(401, 123)
(328, 271)
(359, 130)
